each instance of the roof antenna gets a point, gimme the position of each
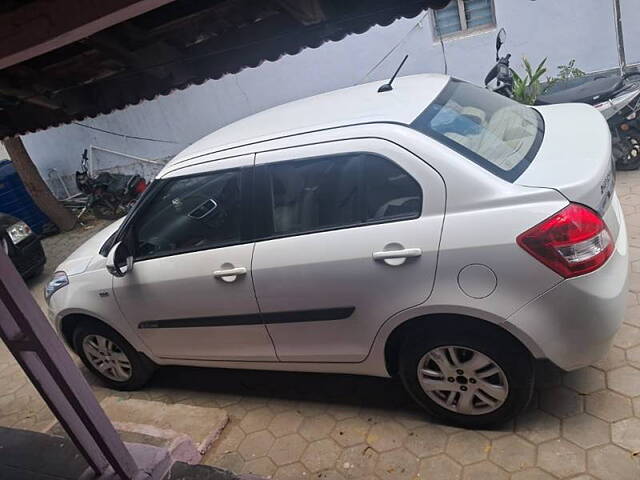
(387, 86)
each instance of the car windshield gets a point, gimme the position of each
(496, 132)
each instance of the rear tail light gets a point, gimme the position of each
(572, 242)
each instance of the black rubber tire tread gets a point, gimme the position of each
(142, 368)
(516, 362)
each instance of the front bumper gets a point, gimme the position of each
(573, 323)
(28, 256)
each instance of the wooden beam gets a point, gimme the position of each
(46, 25)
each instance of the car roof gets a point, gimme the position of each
(347, 106)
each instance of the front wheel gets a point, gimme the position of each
(470, 378)
(109, 356)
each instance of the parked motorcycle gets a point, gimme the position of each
(109, 195)
(617, 98)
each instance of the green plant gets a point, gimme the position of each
(527, 88)
(568, 71)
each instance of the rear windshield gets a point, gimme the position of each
(495, 132)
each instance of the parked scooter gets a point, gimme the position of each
(110, 195)
(617, 98)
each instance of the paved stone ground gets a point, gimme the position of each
(581, 425)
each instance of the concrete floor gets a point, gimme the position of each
(582, 425)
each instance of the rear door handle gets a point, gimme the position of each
(230, 274)
(406, 253)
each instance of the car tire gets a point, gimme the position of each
(513, 381)
(130, 370)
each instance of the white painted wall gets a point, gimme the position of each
(558, 29)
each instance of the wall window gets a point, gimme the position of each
(463, 15)
(331, 192)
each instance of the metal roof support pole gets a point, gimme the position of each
(617, 15)
(42, 355)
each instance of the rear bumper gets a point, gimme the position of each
(573, 323)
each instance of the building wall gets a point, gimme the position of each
(558, 29)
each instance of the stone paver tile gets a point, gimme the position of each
(585, 430)
(513, 453)
(321, 455)
(538, 426)
(229, 440)
(585, 380)
(357, 461)
(634, 278)
(350, 432)
(561, 458)
(636, 406)
(626, 434)
(611, 462)
(625, 380)
(256, 444)
(613, 359)
(285, 423)
(260, 467)
(468, 447)
(279, 405)
(386, 436)
(561, 402)
(627, 336)
(343, 412)
(311, 409)
(232, 461)
(287, 449)
(532, 474)
(484, 471)
(257, 419)
(426, 441)
(633, 355)
(608, 405)
(632, 314)
(440, 467)
(335, 475)
(295, 471)
(315, 428)
(398, 464)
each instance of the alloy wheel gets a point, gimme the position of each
(463, 380)
(107, 357)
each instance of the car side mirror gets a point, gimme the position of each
(500, 39)
(119, 260)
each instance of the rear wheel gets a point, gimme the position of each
(471, 378)
(109, 356)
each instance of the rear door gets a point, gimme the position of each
(348, 236)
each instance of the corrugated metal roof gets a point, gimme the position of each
(184, 43)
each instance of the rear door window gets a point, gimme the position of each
(326, 193)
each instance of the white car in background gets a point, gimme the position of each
(435, 231)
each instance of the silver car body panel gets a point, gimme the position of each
(470, 217)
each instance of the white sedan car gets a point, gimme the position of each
(435, 231)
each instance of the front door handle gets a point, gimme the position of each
(405, 253)
(229, 274)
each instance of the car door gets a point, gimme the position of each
(190, 292)
(347, 237)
